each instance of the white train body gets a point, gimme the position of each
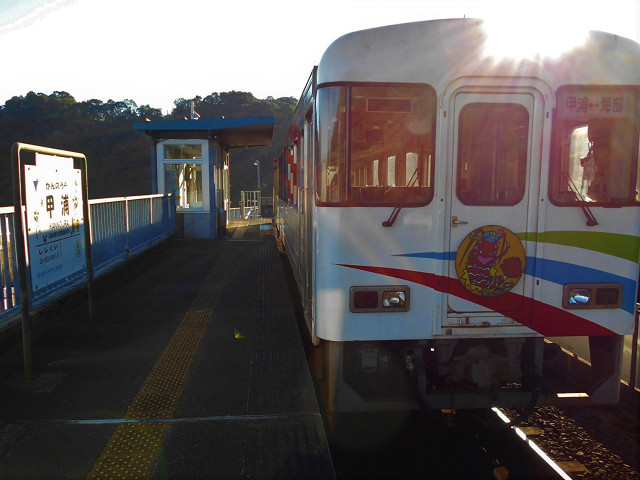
(445, 210)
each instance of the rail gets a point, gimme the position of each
(120, 228)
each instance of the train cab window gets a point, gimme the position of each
(595, 156)
(332, 134)
(391, 142)
(384, 154)
(492, 154)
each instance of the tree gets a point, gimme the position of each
(118, 157)
(236, 104)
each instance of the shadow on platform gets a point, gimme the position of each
(193, 368)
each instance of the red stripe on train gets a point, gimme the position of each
(545, 319)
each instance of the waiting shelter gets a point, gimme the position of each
(190, 158)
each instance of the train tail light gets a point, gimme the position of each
(387, 298)
(365, 299)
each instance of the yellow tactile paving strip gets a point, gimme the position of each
(134, 447)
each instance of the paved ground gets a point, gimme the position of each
(193, 368)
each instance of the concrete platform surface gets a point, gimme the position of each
(193, 368)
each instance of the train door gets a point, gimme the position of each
(307, 220)
(303, 152)
(494, 161)
(299, 204)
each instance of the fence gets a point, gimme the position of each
(120, 227)
(252, 205)
(235, 213)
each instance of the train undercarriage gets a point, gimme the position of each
(463, 374)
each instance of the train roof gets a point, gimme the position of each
(438, 51)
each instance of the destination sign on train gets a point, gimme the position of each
(55, 220)
(595, 104)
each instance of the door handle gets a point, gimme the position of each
(455, 222)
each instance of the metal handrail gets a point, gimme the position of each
(112, 241)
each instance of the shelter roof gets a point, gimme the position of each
(233, 132)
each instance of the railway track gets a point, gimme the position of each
(551, 444)
(459, 445)
(585, 443)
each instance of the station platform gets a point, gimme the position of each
(192, 367)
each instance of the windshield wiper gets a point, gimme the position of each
(396, 210)
(591, 219)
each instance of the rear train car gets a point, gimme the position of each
(448, 209)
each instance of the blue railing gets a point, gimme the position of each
(8, 266)
(120, 227)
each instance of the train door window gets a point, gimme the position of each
(332, 127)
(492, 154)
(308, 150)
(595, 155)
(391, 144)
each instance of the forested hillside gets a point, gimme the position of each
(119, 158)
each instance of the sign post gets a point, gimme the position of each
(54, 226)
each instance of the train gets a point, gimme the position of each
(450, 212)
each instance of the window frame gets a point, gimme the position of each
(167, 145)
(346, 186)
(184, 162)
(563, 126)
(184, 165)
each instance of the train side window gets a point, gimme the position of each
(283, 174)
(391, 141)
(492, 154)
(332, 128)
(596, 152)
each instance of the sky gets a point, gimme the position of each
(156, 51)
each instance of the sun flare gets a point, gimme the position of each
(531, 38)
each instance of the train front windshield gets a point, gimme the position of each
(375, 145)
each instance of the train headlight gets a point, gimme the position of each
(592, 295)
(396, 299)
(580, 296)
(387, 298)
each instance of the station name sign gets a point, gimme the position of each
(54, 219)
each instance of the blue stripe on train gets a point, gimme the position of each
(560, 273)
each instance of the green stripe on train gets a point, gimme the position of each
(618, 245)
